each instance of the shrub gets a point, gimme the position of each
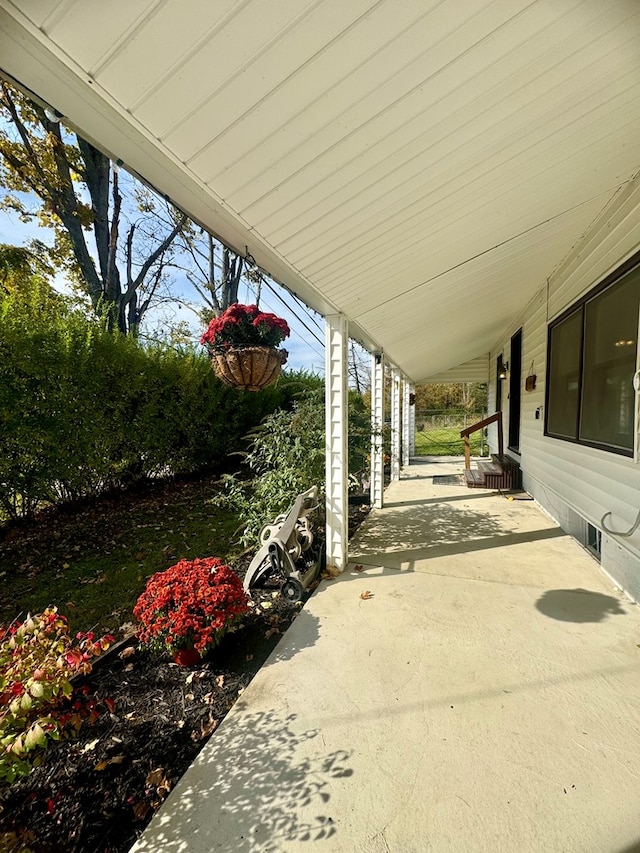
(38, 658)
(287, 456)
(190, 605)
(83, 410)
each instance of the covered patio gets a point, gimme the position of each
(433, 178)
(420, 173)
(484, 698)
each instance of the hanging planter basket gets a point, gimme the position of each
(248, 368)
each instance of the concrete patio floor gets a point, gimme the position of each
(485, 698)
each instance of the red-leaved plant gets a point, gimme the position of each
(244, 325)
(190, 605)
(38, 703)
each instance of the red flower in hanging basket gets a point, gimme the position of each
(242, 344)
(244, 325)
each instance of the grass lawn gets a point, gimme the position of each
(93, 562)
(446, 441)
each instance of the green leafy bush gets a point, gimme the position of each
(38, 658)
(286, 457)
(83, 410)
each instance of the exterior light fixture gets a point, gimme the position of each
(503, 367)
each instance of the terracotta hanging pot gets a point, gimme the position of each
(187, 657)
(248, 368)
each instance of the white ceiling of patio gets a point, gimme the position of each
(420, 165)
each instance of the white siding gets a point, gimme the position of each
(576, 484)
(421, 167)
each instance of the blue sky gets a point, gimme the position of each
(305, 345)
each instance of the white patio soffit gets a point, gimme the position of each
(420, 166)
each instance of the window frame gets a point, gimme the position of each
(632, 453)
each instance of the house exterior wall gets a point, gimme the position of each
(577, 485)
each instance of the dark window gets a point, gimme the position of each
(565, 350)
(515, 388)
(592, 360)
(611, 329)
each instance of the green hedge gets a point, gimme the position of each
(83, 411)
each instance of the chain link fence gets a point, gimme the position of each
(438, 433)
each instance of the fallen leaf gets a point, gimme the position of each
(126, 653)
(250, 657)
(271, 632)
(141, 810)
(156, 777)
(89, 747)
(366, 594)
(190, 696)
(358, 568)
(220, 680)
(266, 605)
(207, 727)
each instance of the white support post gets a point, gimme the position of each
(412, 422)
(405, 424)
(395, 425)
(336, 448)
(376, 486)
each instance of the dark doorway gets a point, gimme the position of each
(515, 385)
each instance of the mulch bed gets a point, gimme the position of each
(96, 793)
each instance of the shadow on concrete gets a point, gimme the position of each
(247, 790)
(303, 632)
(424, 525)
(446, 499)
(415, 532)
(406, 559)
(410, 557)
(634, 848)
(578, 605)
